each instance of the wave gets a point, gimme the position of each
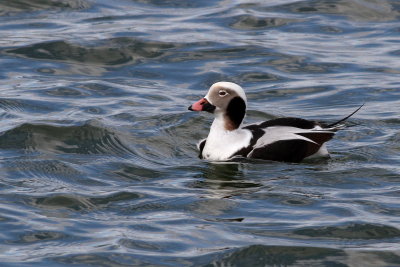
(371, 10)
(83, 203)
(7, 7)
(110, 52)
(261, 255)
(77, 139)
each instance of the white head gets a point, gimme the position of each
(226, 98)
(221, 93)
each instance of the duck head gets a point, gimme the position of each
(227, 101)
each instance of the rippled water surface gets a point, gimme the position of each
(98, 152)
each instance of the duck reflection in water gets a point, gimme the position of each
(227, 176)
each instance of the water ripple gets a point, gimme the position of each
(85, 139)
(8, 8)
(98, 154)
(125, 50)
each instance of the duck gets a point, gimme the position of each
(286, 139)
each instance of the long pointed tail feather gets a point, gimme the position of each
(344, 119)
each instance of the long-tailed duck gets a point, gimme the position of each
(283, 139)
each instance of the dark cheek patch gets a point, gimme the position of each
(235, 113)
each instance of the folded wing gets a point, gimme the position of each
(290, 144)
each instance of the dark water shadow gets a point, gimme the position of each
(261, 255)
(89, 138)
(371, 10)
(250, 22)
(352, 231)
(177, 4)
(109, 259)
(38, 237)
(131, 172)
(82, 203)
(254, 256)
(7, 7)
(110, 52)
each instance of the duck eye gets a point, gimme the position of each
(222, 93)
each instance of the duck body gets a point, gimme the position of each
(278, 140)
(283, 139)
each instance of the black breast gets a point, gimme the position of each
(201, 147)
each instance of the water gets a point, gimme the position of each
(97, 148)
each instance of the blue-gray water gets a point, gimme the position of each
(98, 165)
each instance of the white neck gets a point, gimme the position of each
(218, 124)
(221, 144)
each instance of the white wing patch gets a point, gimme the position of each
(279, 133)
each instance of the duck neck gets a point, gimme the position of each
(230, 119)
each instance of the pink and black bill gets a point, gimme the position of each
(202, 105)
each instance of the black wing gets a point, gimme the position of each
(286, 150)
(289, 121)
(292, 150)
(257, 131)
